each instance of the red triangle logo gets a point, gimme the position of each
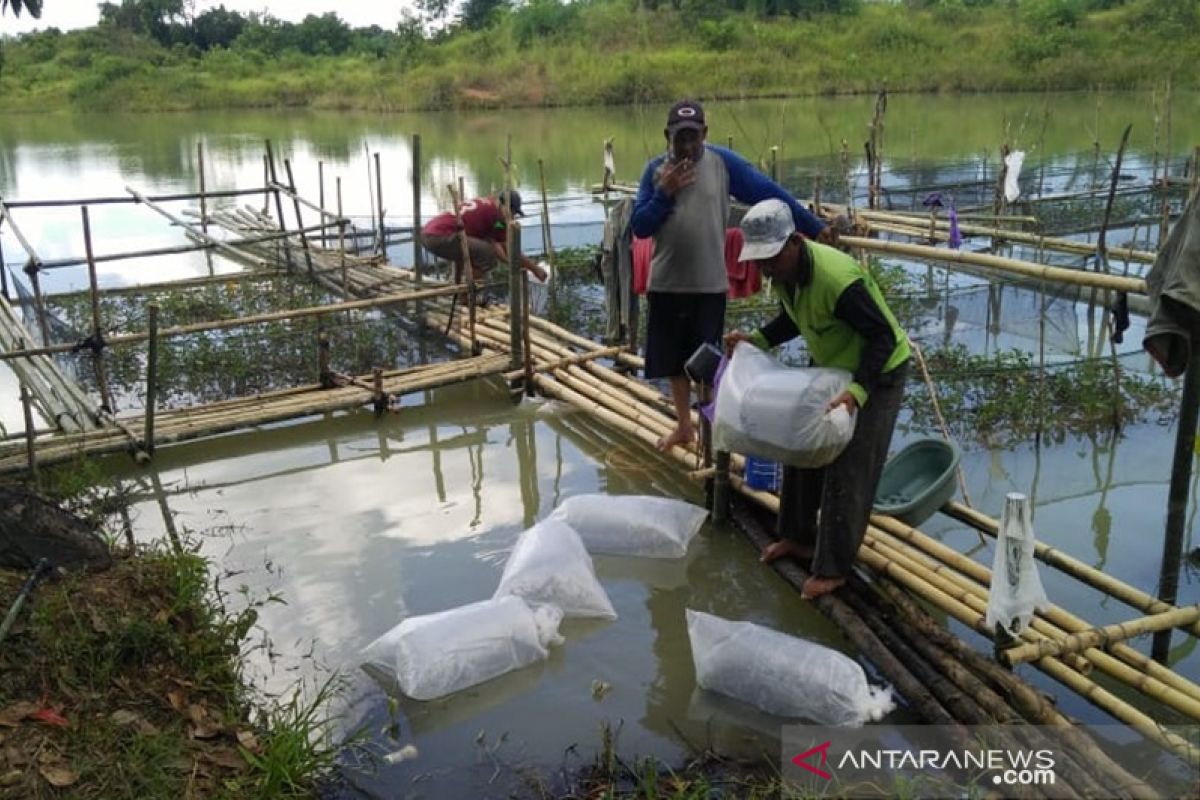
(802, 760)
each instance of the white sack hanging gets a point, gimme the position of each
(1013, 162)
(1016, 590)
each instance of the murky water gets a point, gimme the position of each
(356, 523)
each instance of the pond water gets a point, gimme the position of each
(356, 523)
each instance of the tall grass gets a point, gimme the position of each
(607, 52)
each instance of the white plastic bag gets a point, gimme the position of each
(1013, 162)
(781, 674)
(632, 525)
(1016, 590)
(781, 413)
(439, 654)
(539, 291)
(550, 565)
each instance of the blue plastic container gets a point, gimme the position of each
(762, 474)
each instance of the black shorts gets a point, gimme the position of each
(678, 323)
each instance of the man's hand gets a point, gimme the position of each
(677, 176)
(732, 338)
(828, 235)
(844, 399)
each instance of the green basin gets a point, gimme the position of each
(917, 481)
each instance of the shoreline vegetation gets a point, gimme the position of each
(149, 55)
(128, 682)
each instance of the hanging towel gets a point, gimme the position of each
(744, 279)
(1173, 285)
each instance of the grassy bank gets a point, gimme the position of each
(606, 52)
(127, 683)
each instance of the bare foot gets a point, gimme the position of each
(786, 548)
(819, 585)
(682, 434)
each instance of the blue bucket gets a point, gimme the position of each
(762, 474)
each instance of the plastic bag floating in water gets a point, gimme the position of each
(781, 674)
(632, 525)
(439, 654)
(550, 565)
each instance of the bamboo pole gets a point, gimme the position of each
(1102, 636)
(548, 245)
(1031, 703)
(1133, 668)
(122, 200)
(321, 195)
(566, 361)
(515, 316)
(287, 166)
(97, 343)
(203, 202)
(342, 240)
(3, 267)
(176, 428)
(1055, 668)
(151, 379)
(273, 180)
(271, 316)
(379, 206)
(526, 347)
(903, 224)
(220, 245)
(32, 265)
(1071, 566)
(418, 253)
(30, 449)
(60, 263)
(1012, 265)
(994, 707)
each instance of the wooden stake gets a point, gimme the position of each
(151, 379)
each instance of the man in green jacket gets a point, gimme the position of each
(837, 307)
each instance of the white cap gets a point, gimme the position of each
(766, 229)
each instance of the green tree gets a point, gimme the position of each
(479, 14)
(216, 27)
(323, 35)
(152, 18)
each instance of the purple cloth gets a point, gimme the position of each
(710, 410)
(955, 236)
